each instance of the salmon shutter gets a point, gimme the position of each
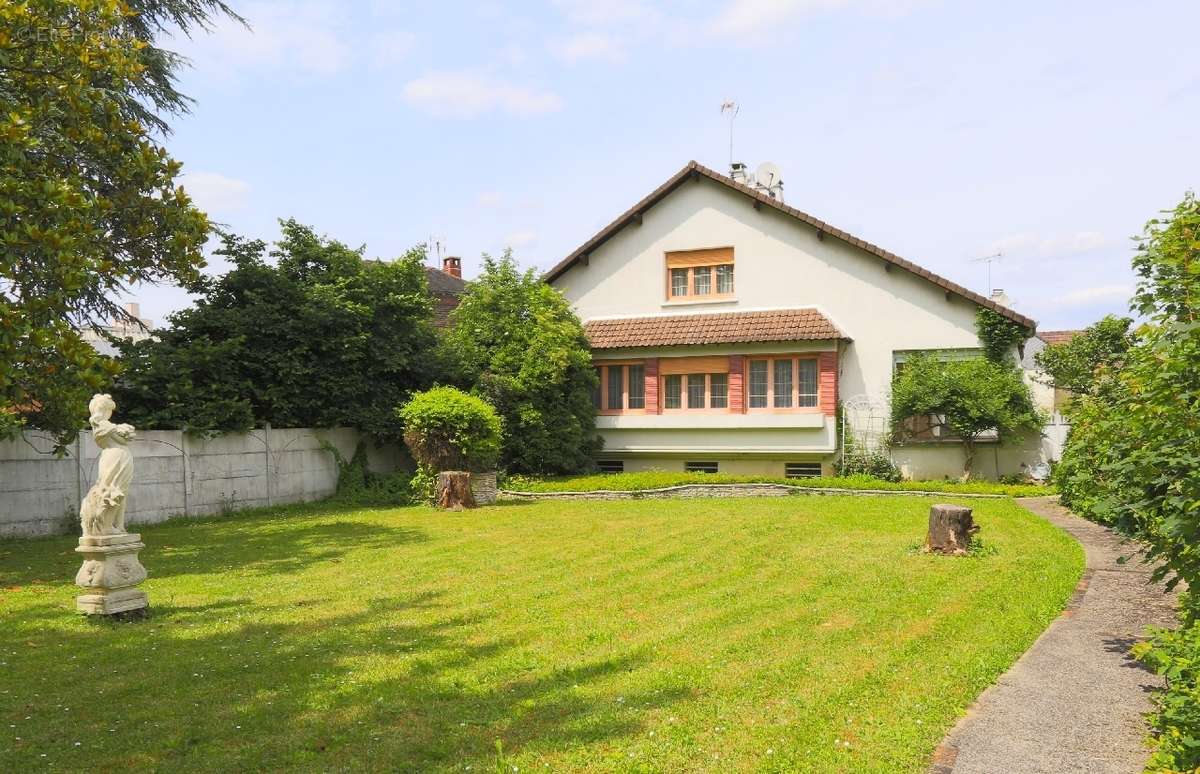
(737, 393)
(828, 365)
(652, 385)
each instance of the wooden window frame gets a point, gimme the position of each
(602, 367)
(685, 380)
(705, 258)
(795, 408)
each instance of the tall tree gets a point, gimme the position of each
(88, 198)
(318, 336)
(1076, 365)
(518, 342)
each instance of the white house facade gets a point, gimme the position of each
(727, 327)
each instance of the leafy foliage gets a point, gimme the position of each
(999, 335)
(447, 429)
(89, 203)
(859, 462)
(321, 338)
(1133, 456)
(358, 485)
(969, 398)
(517, 341)
(1075, 365)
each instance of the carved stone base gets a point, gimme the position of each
(110, 573)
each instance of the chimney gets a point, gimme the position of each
(1001, 298)
(452, 265)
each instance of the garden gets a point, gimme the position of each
(772, 633)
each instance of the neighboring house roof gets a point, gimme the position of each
(445, 289)
(1057, 337)
(715, 328)
(441, 283)
(694, 170)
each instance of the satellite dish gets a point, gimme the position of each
(767, 175)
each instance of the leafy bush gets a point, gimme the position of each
(422, 487)
(447, 429)
(657, 479)
(517, 343)
(968, 398)
(876, 465)
(1132, 458)
(999, 334)
(356, 485)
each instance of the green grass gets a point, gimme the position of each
(656, 479)
(766, 634)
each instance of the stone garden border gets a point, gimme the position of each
(728, 490)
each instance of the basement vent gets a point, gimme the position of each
(700, 467)
(802, 469)
(611, 466)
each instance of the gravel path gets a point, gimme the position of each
(1075, 701)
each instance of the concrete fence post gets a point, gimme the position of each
(267, 450)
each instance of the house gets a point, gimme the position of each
(727, 327)
(1048, 397)
(98, 335)
(446, 285)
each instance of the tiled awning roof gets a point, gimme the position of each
(1057, 337)
(721, 328)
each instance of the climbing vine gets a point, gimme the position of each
(998, 334)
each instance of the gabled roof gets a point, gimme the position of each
(695, 171)
(711, 328)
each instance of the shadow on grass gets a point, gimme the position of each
(404, 683)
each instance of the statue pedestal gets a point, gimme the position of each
(110, 573)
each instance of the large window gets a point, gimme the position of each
(673, 392)
(622, 387)
(783, 383)
(700, 274)
(694, 392)
(718, 390)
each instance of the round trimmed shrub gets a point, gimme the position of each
(447, 429)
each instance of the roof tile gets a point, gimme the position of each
(719, 328)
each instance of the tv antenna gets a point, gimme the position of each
(730, 107)
(989, 259)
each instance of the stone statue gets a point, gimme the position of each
(111, 570)
(103, 509)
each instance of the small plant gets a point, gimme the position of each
(356, 485)
(875, 464)
(447, 429)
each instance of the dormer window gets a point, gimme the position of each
(700, 275)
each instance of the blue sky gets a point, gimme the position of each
(943, 131)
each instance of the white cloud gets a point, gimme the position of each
(742, 17)
(1030, 245)
(1094, 295)
(215, 193)
(521, 238)
(466, 94)
(588, 45)
(490, 199)
(392, 47)
(304, 37)
(591, 12)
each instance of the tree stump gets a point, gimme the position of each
(454, 490)
(950, 530)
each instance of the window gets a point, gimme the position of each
(802, 470)
(616, 388)
(783, 383)
(621, 388)
(700, 467)
(673, 394)
(725, 279)
(758, 383)
(679, 282)
(808, 383)
(718, 391)
(637, 386)
(695, 391)
(611, 466)
(691, 273)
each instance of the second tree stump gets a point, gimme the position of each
(950, 530)
(454, 490)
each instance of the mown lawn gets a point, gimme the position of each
(765, 634)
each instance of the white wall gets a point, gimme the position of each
(174, 475)
(781, 263)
